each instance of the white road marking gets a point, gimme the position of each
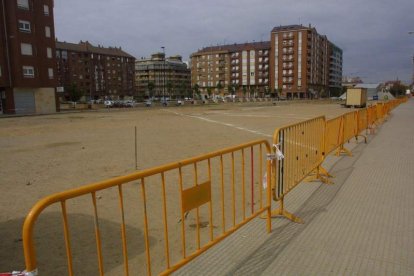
(264, 116)
(221, 123)
(239, 128)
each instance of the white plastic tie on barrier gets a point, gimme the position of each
(264, 181)
(279, 153)
(30, 273)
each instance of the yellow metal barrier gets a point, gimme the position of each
(380, 114)
(298, 150)
(350, 130)
(362, 115)
(372, 117)
(333, 134)
(225, 186)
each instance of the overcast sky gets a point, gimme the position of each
(373, 34)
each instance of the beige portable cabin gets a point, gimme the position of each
(356, 97)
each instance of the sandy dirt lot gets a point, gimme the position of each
(41, 155)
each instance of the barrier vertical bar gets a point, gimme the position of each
(233, 189)
(164, 212)
(146, 234)
(261, 175)
(243, 185)
(252, 176)
(197, 209)
(183, 242)
(123, 230)
(97, 235)
(210, 204)
(223, 218)
(67, 238)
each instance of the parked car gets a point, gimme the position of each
(108, 103)
(129, 103)
(148, 103)
(179, 102)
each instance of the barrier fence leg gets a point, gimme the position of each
(319, 174)
(364, 136)
(281, 212)
(342, 149)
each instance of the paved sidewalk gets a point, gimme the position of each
(361, 225)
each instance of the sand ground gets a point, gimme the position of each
(41, 155)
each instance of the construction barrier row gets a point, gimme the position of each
(186, 207)
(303, 147)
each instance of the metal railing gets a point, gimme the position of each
(226, 183)
(302, 147)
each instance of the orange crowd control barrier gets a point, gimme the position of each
(333, 134)
(298, 152)
(228, 181)
(372, 117)
(350, 130)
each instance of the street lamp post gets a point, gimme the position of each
(412, 32)
(163, 82)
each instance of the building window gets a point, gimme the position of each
(24, 26)
(28, 71)
(23, 4)
(26, 49)
(47, 31)
(46, 9)
(50, 73)
(49, 52)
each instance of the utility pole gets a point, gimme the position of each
(412, 62)
(163, 82)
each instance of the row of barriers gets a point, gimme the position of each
(207, 198)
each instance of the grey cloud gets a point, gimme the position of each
(372, 33)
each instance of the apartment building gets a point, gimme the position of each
(169, 76)
(97, 72)
(300, 59)
(335, 69)
(297, 62)
(27, 59)
(241, 69)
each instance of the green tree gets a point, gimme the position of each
(169, 88)
(398, 89)
(279, 92)
(74, 92)
(196, 89)
(209, 92)
(151, 87)
(244, 89)
(182, 89)
(235, 88)
(253, 91)
(230, 89)
(266, 90)
(219, 87)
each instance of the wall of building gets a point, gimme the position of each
(45, 100)
(27, 40)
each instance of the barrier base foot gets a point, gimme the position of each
(319, 174)
(365, 138)
(324, 172)
(320, 178)
(283, 213)
(343, 150)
